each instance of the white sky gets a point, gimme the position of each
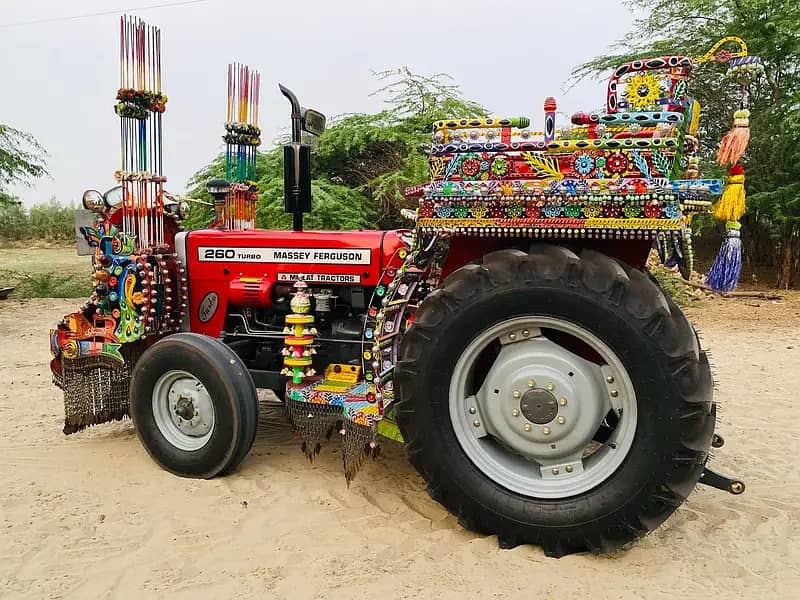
(58, 80)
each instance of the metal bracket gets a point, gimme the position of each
(721, 482)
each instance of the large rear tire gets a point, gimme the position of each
(554, 399)
(194, 405)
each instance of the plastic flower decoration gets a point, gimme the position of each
(499, 166)
(617, 163)
(643, 91)
(470, 167)
(584, 164)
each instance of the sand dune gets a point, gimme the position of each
(91, 516)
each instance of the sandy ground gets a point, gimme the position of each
(91, 516)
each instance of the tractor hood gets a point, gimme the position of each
(215, 258)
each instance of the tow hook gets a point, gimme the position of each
(721, 482)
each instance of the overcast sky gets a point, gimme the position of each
(59, 79)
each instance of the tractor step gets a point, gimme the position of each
(721, 482)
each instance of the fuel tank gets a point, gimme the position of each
(220, 260)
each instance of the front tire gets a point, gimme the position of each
(503, 462)
(194, 405)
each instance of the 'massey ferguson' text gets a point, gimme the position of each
(325, 256)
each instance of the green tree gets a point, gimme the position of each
(43, 221)
(21, 159)
(52, 220)
(14, 222)
(362, 163)
(336, 206)
(770, 28)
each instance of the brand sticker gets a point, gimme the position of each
(208, 306)
(319, 277)
(323, 256)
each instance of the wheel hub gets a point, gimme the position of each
(539, 406)
(541, 400)
(183, 410)
(530, 424)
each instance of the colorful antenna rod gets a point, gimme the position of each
(140, 104)
(242, 139)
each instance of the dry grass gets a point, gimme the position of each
(49, 272)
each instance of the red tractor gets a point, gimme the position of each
(545, 386)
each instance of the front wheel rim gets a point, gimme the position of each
(183, 410)
(532, 421)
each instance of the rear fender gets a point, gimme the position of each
(464, 250)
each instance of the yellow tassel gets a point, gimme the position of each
(731, 205)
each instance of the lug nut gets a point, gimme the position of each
(562, 401)
(515, 412)
(525, 333)
(527, 427)
(556, 471)
(517, 394)
(546, 430)
(476, 423)
(512, 336)
(472, 410)
(561, 420)
(551, 387)
(610, 379)
(531, 383)
(613, 393)
(568, 468)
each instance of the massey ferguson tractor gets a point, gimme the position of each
(545, 387)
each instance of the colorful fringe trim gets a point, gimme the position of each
(724, 273)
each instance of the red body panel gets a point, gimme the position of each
(218, 258)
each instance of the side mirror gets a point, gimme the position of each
(113, 197)
(93, 200)
(313, 121)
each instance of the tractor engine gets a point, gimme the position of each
(241, 282)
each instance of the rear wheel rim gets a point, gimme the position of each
(183, 410)
(531, 420)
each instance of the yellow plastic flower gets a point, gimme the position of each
(643, 91)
